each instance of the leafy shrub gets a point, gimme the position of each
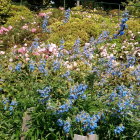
(5, 6)
(133, 7)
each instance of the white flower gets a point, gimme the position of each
(123, 47)
(25, 44)
(87, 44)
(26, 55)
(10, 60)
(2, 52)
(75, 64)
(15, 46)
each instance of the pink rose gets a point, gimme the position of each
(33, 30)
(25, 27)
(4, 29)
(22, 50)
(10, 27)
(42, 14)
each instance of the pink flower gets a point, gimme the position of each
(16, 57)
(41, 50)
(33, 30)
(27, 59)
(61, 8)
(25, 27)
(22, 50)
(4, 29)
(46, 56)
(1, 31)
(10, 27)
(36, 53)
(42, 14)
(52, 47)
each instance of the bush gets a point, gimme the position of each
(133, 7)
(5, 7)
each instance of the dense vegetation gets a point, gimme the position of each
(67, 73)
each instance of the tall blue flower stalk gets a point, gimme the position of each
(61, 47)
(67, 15)
(76, 48)
(123, 25)
(45, 25)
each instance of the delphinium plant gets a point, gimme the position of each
(67, 15)
(123, 25)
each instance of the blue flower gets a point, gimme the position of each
(67, 15)
(66, 127)
(18, 67)
(60, 122)
(34, 45)
(31, 66)
(44, 94)
(56, 65)
(11, 108)
(119, 129)
(5, 101)
(13, 103)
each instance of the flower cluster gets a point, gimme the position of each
(4, 30)
(89, 123)
(136, 73)
(78, 91)
(45, 25)
(65, 107)
(9, 105)
(102, 38)
(44, 94)
(65, 124)
(31, 66)
(42, 66)
(18, 67)
(76, 46)
(119, 129)
(67, 15)
(125, 99)
(35, 45)
(130, 61)
(56, 65)
(123, 25)
(75, 93)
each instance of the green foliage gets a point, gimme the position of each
(134, 7)
(5, 6)
(94, 66)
